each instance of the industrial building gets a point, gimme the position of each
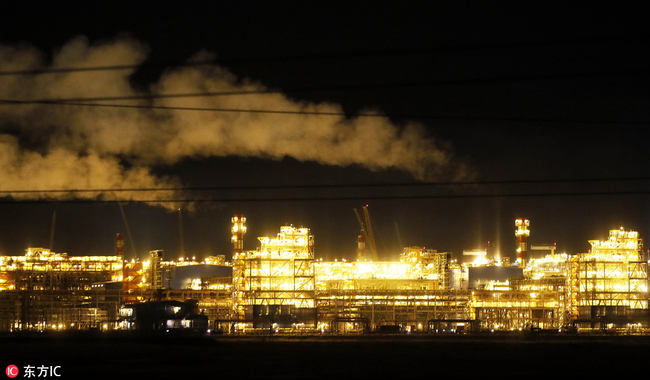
(163, 316)
(45, 290)
(609, 285)
(274, 286)
(282, 288)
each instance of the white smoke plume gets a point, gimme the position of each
(78, 147)
(62, 169)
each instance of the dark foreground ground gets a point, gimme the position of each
(398, 357)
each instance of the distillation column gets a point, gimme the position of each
(238, 231)
(522, 234)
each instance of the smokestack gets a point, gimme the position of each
(522, 234)
(238, 231)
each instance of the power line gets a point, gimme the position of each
(349, 87)
(282, 112)
(337, 186)
(339, 198)
(91, 101)
(321, 113)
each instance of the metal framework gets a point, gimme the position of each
(281, 286)
(610, 283)
(58, 309)
(280, 273)
(518, 310)
(410, 309)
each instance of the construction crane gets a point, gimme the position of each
(367, 231)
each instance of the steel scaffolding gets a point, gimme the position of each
(410, 309)
(275, 285)
(610, 283)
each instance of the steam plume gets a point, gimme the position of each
(68, 143)
(62, 169)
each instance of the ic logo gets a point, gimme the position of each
(12, 371)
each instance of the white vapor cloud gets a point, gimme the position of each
(62, 169)
(78, 147)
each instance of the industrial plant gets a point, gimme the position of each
(282, 288)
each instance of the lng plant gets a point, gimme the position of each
(282, 288)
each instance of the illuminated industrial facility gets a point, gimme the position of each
(282, 288)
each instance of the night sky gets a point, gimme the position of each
(521, 103)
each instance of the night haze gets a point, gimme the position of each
(536, 117)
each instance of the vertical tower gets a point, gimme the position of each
(119, 246)
(361, 248)
(238, 231)
(239, 265)
(182, 236)
(155, 268)
(119, 252)
(489, 249)
(522, 234)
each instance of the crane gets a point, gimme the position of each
(367, 231)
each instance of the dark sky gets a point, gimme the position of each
(517, 94)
